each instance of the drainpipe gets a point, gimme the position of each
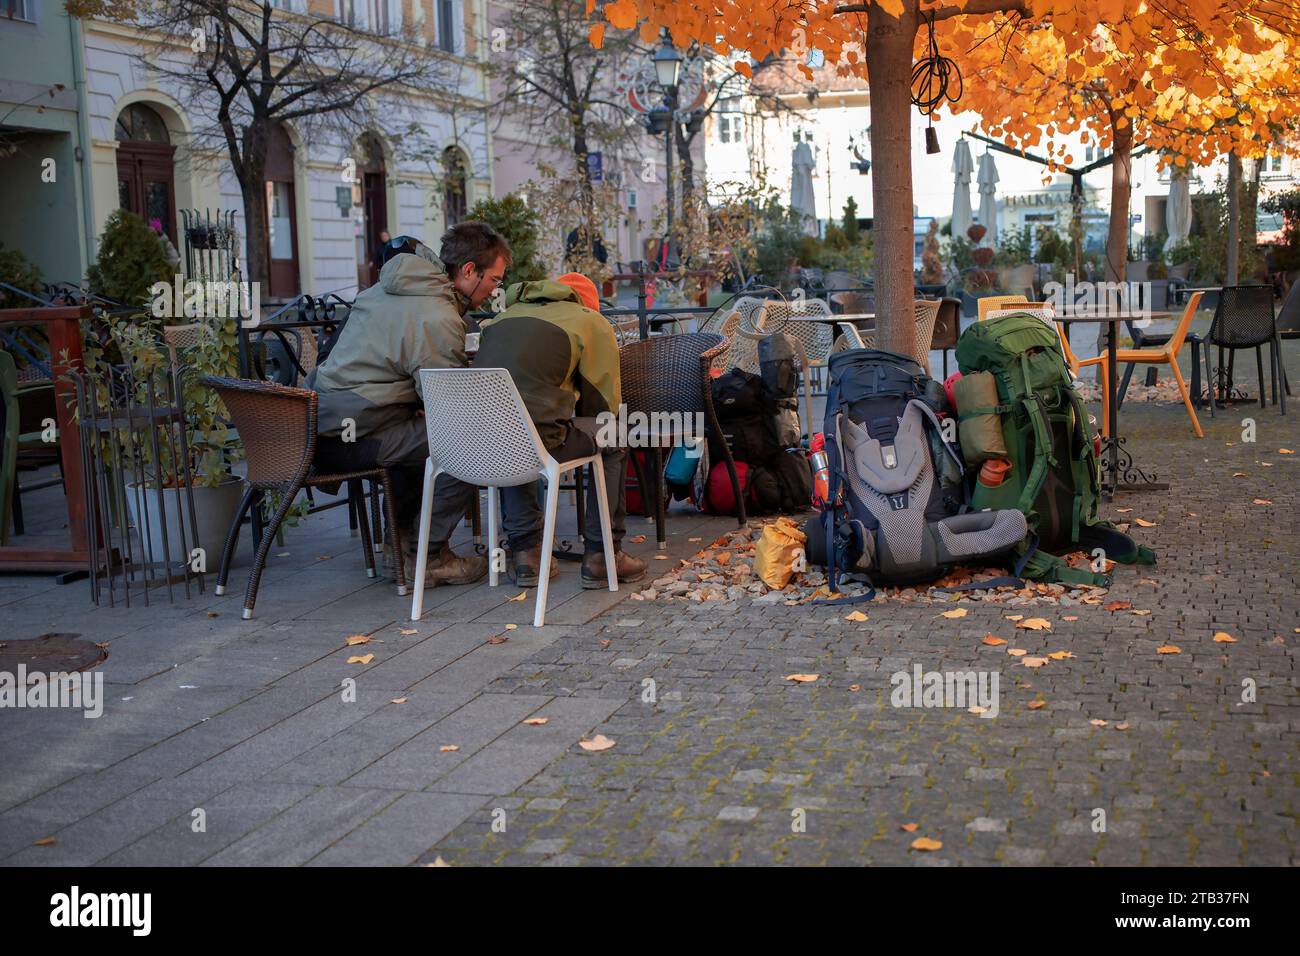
(83, 134)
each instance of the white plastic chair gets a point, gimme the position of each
(480, 432)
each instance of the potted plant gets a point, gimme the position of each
(213, 447)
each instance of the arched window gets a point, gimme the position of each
(146, 177)
(455, 189)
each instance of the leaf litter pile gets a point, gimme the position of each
(723, 571)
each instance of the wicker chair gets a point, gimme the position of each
(927, 312)
(277, 425)
(1244, 319)
(670, 374)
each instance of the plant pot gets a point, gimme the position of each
(214, 510)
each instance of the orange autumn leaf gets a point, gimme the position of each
(1143, 523)
(926, 844)
(1035, 624)
(1223, 637)
(1037, 704)
(909, 827)
(802, 678)
(992, 641)
(1169, 649)
(955, 613)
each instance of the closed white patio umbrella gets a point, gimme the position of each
(802, 200)
(1178, 212)
(962, 167)
(988, 184)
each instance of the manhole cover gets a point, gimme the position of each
(51, 653)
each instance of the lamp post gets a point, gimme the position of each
(668, 65)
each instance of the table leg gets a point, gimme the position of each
(1118, 462)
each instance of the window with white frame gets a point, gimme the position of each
(730, 129)
(19, 10)
(381, 16)
(448, 25)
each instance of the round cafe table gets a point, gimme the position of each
(1119, 471)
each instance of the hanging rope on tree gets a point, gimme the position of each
(935, 78)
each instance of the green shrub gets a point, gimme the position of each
(18, 271)
(511, 217)
(131, 259)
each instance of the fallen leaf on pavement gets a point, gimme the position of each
(1223, 637)
(521, 596)
(909, 827)
(1143, 523)
(925, 843)
(1035, 624)
(449, 748)
(640, 539)
(605, 643)
(955, 613)
(992, 641)
(1123, 511)
(1070, 617)
(976, 709)
(1285, 451)
(407, 631)
(855, 616)
(1037, 704)
(45, 841)
(1124, 726)
(1017, 651)
(597, 743)
(1060, 655)
(1239, 474)
(1034, 661)
(1141, 613)
(694, 539)
(1014, 617)
(358, 639)
(1098, 723)
(361, 659)
(536, 721)
(1262, 501)
(497, 639)
(214, 614)
(855, 687)
(512, 627)
(398, 700)
(1117, 606)
(439, 861)
(722, 557)
(662, 557)
(1168, 649)
(802, 678)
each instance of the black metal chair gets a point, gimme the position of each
(1244, 319)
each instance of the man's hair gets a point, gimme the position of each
(475, 242)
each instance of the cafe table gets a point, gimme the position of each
(1119, 470)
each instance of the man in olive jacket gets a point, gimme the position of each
(563, 356)
(370, 408)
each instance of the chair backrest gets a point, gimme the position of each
(1288, 317)
(777, 312)
(1040, 310)
(751, 311)
(9, 429)
(947, 324)
(997, 302)
(177, 337)
(669, 373)
(479, 428)
(926, 312)
(1244, 317)
(1180, 331)
(852, 333)
(277, 425)
(730, 323)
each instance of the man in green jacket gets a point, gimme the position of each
(563, 356)
(370, 409)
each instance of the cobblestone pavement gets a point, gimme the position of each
(721, 759)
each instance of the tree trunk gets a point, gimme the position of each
(687, 182)
(1117, 235)
(889, 68)
(251, 173)
(1232, 269)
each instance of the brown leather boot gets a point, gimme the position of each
(526, 566)
(628, 569)
(447, 567)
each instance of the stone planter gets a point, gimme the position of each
(214, 510)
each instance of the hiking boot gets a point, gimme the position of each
(628, 569)
(526, 566)
(447, 567)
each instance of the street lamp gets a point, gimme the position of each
(668, 66)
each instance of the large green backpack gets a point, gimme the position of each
(1054, 475)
